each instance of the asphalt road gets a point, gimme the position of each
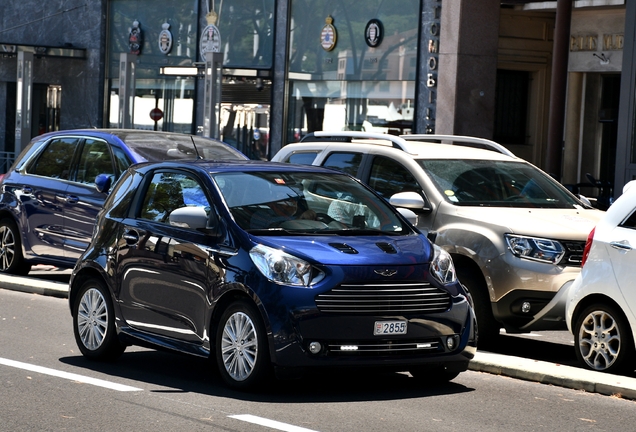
(47, 385)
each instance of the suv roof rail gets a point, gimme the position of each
(347, 136)
(461, 140)
(401, 143)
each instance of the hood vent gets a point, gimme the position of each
(343, 247)
(386, 247)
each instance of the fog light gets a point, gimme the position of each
(525, 307)
(315, 347)
(450, 343)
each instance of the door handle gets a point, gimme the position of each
(131, 237)
(71, 199)
(622, 245)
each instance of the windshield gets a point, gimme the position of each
(466, 182)
(306, 202)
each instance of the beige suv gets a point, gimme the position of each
(516, 235)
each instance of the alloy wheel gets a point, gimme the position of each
(92, 319)
(239, 346)
(599, 340)
(7, 248)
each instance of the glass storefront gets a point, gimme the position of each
(358, 72)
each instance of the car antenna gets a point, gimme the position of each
(195, 148)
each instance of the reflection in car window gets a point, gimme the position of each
(305, 202)
(388, 177)
(345, 162)
(169, 191)
(303, 158)
(55, 160)
(467, 182)
(94, 160)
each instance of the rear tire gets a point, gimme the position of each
(487, 326)
(241, 347)
(94, 322)
(11, 258)
(603, 339)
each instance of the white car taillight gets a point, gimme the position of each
(588, 246)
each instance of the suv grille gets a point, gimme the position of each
(573, 253)
(384, 298)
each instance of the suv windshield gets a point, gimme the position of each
(306, 202)
(467, 182)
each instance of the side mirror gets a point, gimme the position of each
(103, 182)
(409, 200)
(409, 215)
(189, 217)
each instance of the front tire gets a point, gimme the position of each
(603, 339)
(241, 346)
(11, 258)
(487, 326)
(94, 322)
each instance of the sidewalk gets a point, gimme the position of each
(498, 364)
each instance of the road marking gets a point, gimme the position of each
(270, 423)
(68, 376)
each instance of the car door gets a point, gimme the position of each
(621, 249)
(46, 180)
(165, 271)
(81, 201)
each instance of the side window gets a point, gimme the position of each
(346, 162)
(169, 191)
(55, 160)
(388, 177)
(304, 158)
(121, 160)
(94, 160)
(630, 222)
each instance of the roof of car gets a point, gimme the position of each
(417, 146)
(237, 166)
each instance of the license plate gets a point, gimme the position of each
(389, 328)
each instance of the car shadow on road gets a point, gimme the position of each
(535, 349)
(175, 373)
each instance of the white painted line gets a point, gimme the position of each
(270, 423)
(68, 376)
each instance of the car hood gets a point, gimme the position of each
(566, 224)
(354, 250)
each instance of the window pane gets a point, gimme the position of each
(346, 162)
(94, 160)
(56, 159)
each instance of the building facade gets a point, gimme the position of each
(291, 67)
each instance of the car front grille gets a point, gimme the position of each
(573, 253)
(384, 298)
(402, 347)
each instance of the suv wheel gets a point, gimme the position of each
(603, 339)
(487, 327)
(11, 258)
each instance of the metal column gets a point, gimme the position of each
(126, 90)
(212, 95)
(23, 104)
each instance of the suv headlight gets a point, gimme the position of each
(283, 268)
(538, 249)
(442, 267)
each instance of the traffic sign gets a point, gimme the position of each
(156, 114)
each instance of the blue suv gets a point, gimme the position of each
(49, 199)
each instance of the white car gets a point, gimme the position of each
(601, 306)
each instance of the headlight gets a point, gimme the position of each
(538, 249)
(283, 268)
(442, 267)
